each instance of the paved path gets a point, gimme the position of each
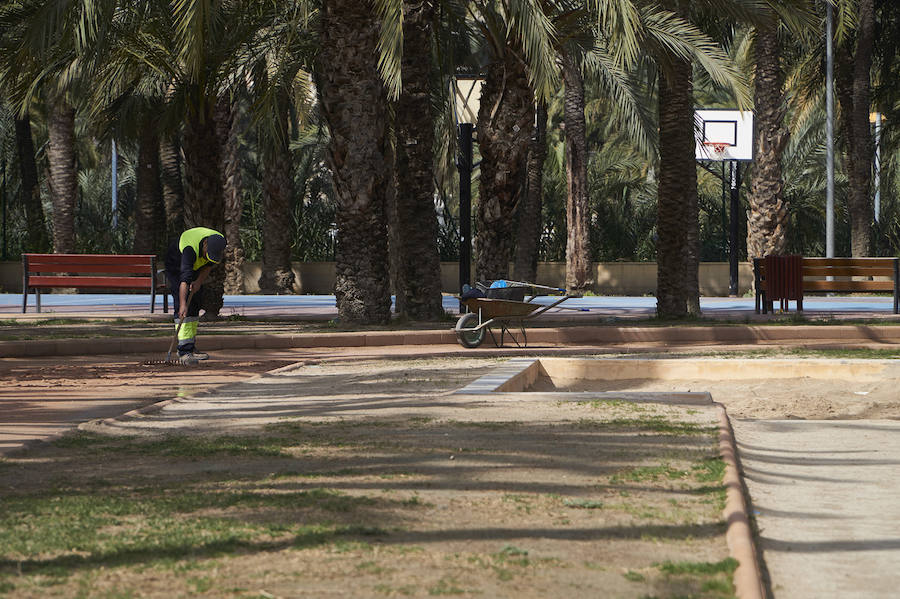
(827, 502)
(323, 306)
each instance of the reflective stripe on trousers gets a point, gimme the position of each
(187, 333)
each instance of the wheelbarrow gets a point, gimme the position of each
(486, 313)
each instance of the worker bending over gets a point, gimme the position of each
(188, 263)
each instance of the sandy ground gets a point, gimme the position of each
(773, 399)
(461, 495)
(44, 396)
(472, 482)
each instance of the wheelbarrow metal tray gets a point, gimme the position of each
(500, 308)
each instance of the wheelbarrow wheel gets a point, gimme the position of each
(466, 333)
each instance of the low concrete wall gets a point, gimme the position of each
(610, 278)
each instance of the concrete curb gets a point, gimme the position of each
(748, 582)
(580, 335)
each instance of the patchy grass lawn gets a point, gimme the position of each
(416, 493)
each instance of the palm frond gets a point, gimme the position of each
(390, 44)
(537, 36)
(669, 33)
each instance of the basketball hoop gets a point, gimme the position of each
(716, 149)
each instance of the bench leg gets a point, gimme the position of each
(37, 299)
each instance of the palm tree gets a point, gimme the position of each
(767, 221)
(148, 213)
(529, 215)
(36, 239)
(853, 88)
(172, 186)
(677, 287)
(354, 105)
(48, 49)
(519, 39)
(63, 180)
(419, 269)
(278, 191)
(228, 126)
(674, 43)
(578, 253)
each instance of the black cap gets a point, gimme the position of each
(215, 248)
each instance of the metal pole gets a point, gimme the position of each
(464, 164)
(829, 130)
(724, 213)
(733, 232)
(115, 187)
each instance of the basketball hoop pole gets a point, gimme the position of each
(733, 229)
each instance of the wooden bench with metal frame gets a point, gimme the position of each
(836, 275)
(91, 271)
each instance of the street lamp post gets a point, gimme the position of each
(466, 92)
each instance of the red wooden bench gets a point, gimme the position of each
(824, 275)
(91, 271)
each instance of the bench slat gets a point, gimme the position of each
(846, 271)
(848, 285)
(863, 262)
(110, 282)
(90, 268)
(54, 259)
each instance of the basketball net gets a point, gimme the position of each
(716, 149)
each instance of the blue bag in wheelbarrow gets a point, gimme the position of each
(501, 289)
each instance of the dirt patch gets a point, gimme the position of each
(806, 398)
(368, 478)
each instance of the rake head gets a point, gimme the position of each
(164, 363)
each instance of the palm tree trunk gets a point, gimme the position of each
(853, 84)
(204, 204)
(768, 215)
(278, 190)
(172, 187)
(677, 287)
(63, 176)
(227, 131)
(419, 273)
(37, 239)
(505, 122)
(529, 232)
(354, 105)
(578, 246)
(147, 213)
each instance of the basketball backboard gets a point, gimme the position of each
(723, 134)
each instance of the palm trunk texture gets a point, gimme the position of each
(203, 199)
(172, 186)
(677, 287)
(354, 105)
(578, 244)
(767, 222)
(278, 189)
(227, 131)
(36, 239)
(505, 123)
(853, 85)
(63, 176)
(419, 273)
(528, 236)
(148, 212)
